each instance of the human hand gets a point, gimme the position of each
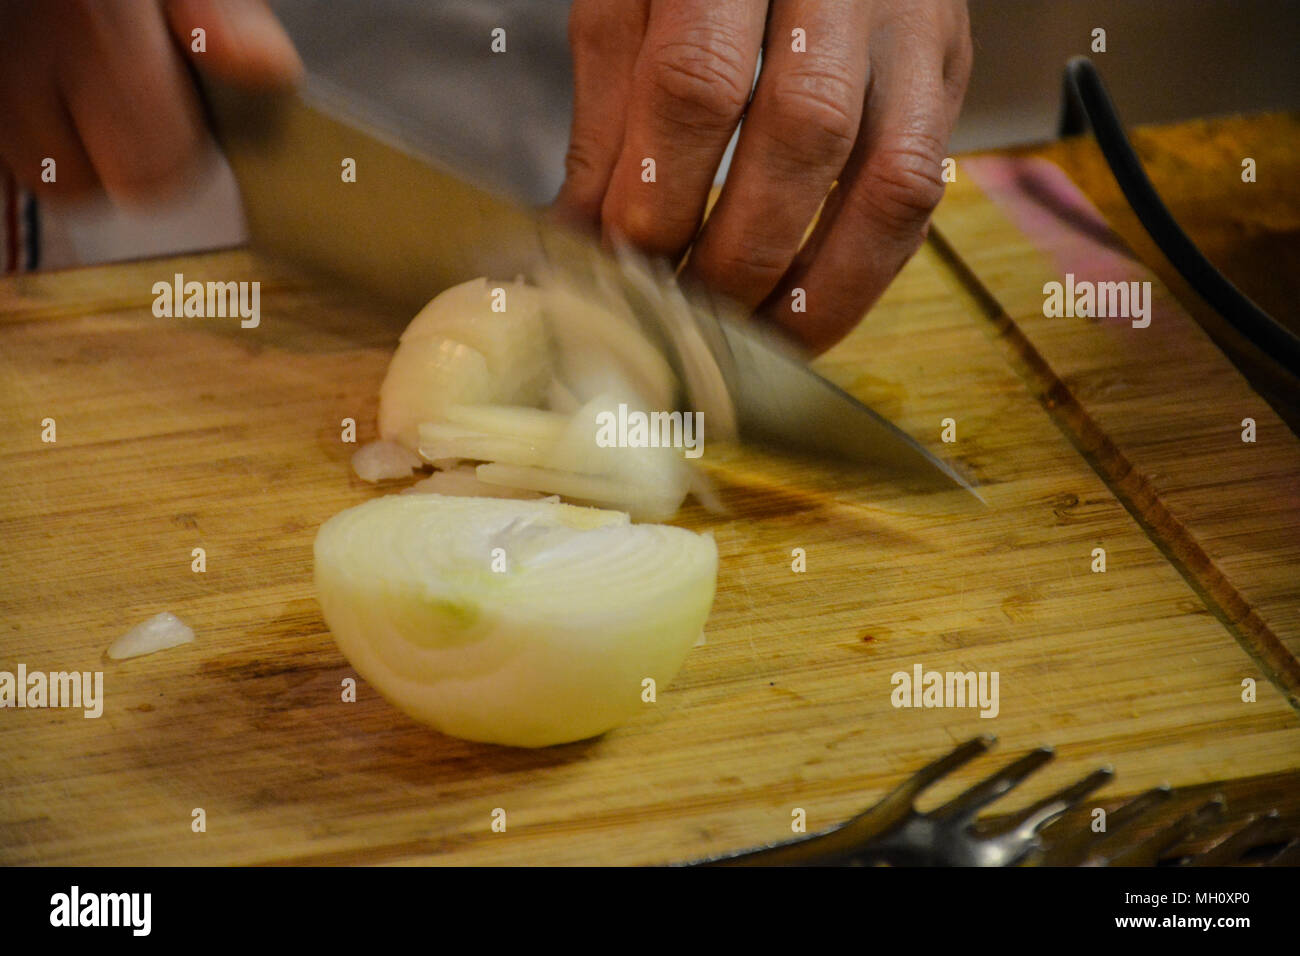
(101, 87)
(869, 104)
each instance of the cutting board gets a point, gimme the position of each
(175, 434)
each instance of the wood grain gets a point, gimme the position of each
(1156, 409)
(182, 433)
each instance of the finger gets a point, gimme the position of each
(797, 135)
(881, 212)
(243, 42)
(41, 147)
(604, 39)
(136, 112)
(689, 88)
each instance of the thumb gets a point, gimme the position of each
(240, 41)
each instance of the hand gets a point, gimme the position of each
(869, 105)
(101, 87)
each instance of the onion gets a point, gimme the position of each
(424, 377)
(465, 383)
(381, 460)
(532, 424)
(156, 634)
(439, 442)
(457, 350)
(597, 338)
(462, 481)
(550, 650)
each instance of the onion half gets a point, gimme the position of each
(551, 646)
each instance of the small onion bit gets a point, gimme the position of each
(383, 461)
(156, 634)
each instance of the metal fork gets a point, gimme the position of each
(1264, 839)
(894, 832)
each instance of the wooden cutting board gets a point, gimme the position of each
(174, 434)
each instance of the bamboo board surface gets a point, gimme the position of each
(1227, 513)
(175, 434)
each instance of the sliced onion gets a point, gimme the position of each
(514, 342)
(552, 649)
(466, 380)
(462, 481)
(439, 442)
(512, 421)
(598, 337)
(156, 634)
(424, 377)
(458, 350)
(383, 460)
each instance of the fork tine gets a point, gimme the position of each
(1147, 852)
(1137, 807)
(897, 805)
(1048, 809)
(1230, 850)
(1080, 848)
(843, 841)
(927, 775)
(966, 805)
(1288, 856)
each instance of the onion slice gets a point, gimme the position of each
(462, 481)
(156, 634)
(526, 623)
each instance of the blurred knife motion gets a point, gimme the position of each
(407, 228)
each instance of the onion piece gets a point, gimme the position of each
(462, 481)
(595, 336)
(383, 460)
(512, 421)
(515, 341)
(552, 647)
(156, 634)
(459, 350)
(424, 376)
(439, 442)
(641, 502)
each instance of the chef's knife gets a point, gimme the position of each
(327, 189)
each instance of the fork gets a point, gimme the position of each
(894, 832)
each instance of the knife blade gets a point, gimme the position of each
(407, 227)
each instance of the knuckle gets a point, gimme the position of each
(752, 265)
(903, 183)
(700, 81)
(815, 116)
(653, 230)
(581, 162)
